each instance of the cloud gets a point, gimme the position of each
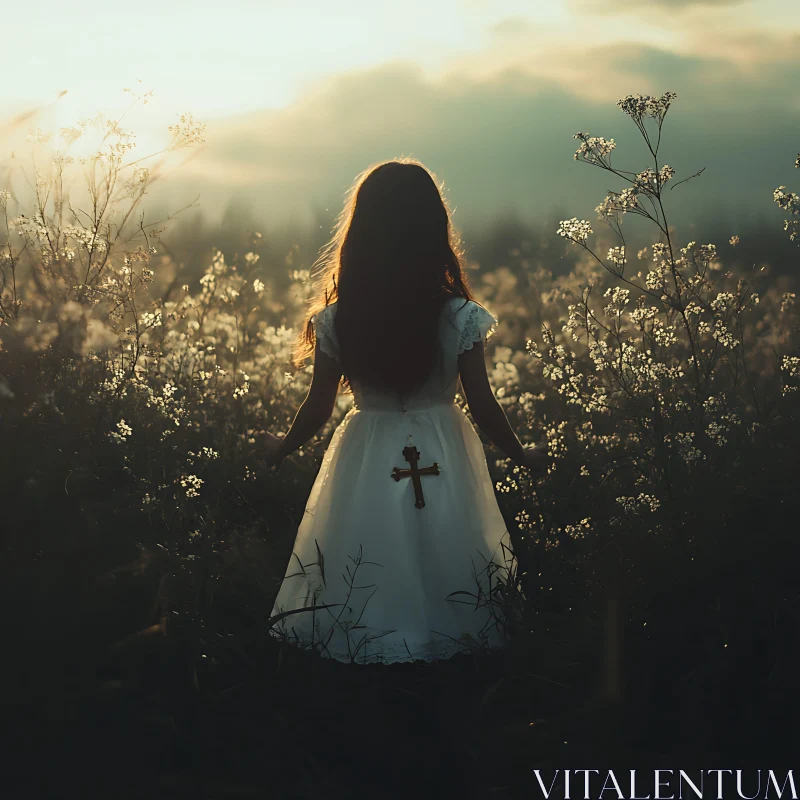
(501, 136)
(616, 6)
(512, 26)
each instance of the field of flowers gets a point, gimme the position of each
(143, 544)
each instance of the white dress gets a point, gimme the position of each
(387, 569)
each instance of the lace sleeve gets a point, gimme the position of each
(478, 324)
(325, 332)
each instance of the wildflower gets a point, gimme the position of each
(639, 315)
(642, 502)
(693, 308)
(686, 447)
(646, 180)
(192, 485)
(619, 299)
(627, 200)
(617, 255)
(664, 335)
(623, 201)
(37, 136)
(136, 185)
(665, 173)
(788, 201)
(151, 320)
(791, 364)
(70, 135)
(639, 106)
(122, 433)
(187, 132)
(593, 149)
(580, 529)
(715, 431)
(532, 348)
(574, 229)
(722, 301)
(724, 337)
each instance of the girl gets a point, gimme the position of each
(402, 549)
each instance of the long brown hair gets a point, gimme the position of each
(392, 263)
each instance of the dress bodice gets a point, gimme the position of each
(462, 323)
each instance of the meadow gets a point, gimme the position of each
(654, 607)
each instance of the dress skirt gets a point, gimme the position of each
(398, 582)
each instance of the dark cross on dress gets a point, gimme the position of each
(411, 454)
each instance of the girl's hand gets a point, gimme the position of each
(537, 460)
(271, 453)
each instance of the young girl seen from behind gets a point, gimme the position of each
(402, 549)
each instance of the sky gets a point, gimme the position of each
(301, 96)
(245, 55)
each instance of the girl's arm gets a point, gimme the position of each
(486, 411)
(315, 410)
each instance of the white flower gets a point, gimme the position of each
(665, 173)
(788, 201)
(187, 132)
(791, 364)
(192, 485)
(643, 502)
(593, 148)
(575, 229)
(151, 320)
(617, 255)
(723, 336)
(638, 106)
(619, 299)
(722, 301)
(123, 431)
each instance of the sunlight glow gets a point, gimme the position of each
(255, 55)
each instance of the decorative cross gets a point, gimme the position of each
(411, 454)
